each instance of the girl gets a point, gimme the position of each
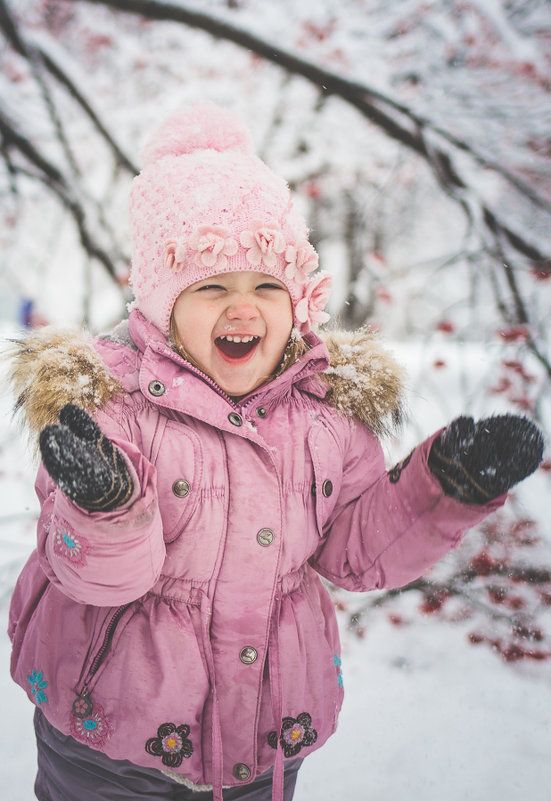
(202, 467)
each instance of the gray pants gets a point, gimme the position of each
(70, 771)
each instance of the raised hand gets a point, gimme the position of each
(84, 464)
(477, 461)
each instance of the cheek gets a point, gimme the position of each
(194, 325)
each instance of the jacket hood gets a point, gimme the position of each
(51, 367)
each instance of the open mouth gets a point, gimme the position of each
(236, 347)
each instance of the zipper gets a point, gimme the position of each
(204, 376)
(82, 706)
(208, 380)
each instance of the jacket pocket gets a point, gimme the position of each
(115, 621)
(177, 456)
(327, 464)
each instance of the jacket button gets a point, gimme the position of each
(248, 655)
(235, 419)
(157, 388)
(265, 537)
(181, 488)
(241, 772)
(261, 411)
(327, 488)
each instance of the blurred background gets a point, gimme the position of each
(416, 136)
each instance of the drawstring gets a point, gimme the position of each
(276, 691)
(217, 753)
(277, 701)
(216, 730)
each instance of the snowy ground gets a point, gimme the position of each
(426, 715)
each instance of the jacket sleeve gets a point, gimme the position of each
(388, 528)
(103, 558)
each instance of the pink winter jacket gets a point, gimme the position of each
(190, 631)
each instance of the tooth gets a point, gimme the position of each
(237, 339)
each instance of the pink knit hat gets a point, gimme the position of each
(205, 204)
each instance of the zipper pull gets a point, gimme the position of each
(82, 705)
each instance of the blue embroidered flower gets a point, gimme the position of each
(68, 545)
(93, 729)
(337, 661)
(38, 685)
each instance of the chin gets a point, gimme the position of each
(239, 391)
(239, 388)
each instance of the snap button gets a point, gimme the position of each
(235, 419)
(327, 488)
(241, 772)
(181, 488)
(265, 537)
(157, 388)
(248, 655)
(261, 411)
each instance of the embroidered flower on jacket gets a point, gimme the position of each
(310, 307)
(93, 729)
(175, 256)
(296, 733)
(337, 661)
(301, 260)
(82, 706)
(171, 744)
(213, 244)
(263, 244)
(69, 546)
(38, 685)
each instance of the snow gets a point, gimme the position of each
(427, 716)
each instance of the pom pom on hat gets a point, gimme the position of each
(203, 126)
(205, 204)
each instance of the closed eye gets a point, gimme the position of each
(270, 286)
(209, 286)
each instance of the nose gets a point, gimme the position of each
(242, 309)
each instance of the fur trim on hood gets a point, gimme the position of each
(364, 379)
(52, 367)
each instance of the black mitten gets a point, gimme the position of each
(86, 465)
(476, 462)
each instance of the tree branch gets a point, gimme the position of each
(410, 129)
(51, 176)
(35, 54)
(358, 94)
(56, 70)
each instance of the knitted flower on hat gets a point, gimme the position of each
(205, 204)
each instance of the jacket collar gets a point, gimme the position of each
(188, 390)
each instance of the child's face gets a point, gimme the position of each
(246, 305)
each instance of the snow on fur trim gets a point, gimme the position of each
(50, 368)
(365, 381)
(202, 126)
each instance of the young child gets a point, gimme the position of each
(202, 467)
